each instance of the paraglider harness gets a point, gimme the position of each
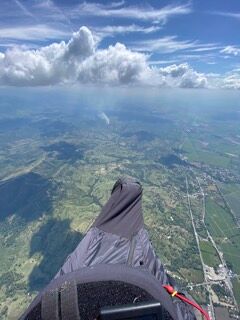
(112, 292)
(115, 266)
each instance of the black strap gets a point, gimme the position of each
(49, 306)
(69, 301)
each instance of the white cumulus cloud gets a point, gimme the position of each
(75, 60)
(231, 82)
(183, 76)
(115, 65)
(79, 60)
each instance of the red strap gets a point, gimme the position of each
(174, 293)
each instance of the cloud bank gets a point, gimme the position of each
(77, 60)
(80, 61)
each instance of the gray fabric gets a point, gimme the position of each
(100, 247)
(118, 238)
(122, 214)
(118, 235)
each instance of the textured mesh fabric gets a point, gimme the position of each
(95, 295)
(92, 296)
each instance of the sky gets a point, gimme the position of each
(188, 44)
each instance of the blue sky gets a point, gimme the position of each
(202, 35)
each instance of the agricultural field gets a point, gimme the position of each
(231, 193)
(210, 256)
(196, 152)
(236, 288)
(224, 229)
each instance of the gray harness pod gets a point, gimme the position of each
(114, 264)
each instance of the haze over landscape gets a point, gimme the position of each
(90, 91)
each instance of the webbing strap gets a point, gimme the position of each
(69, 301)
(49, 306)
